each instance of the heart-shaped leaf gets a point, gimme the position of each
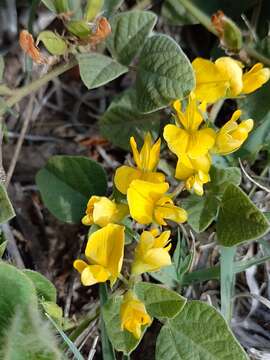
(239, 220)
(198, 332)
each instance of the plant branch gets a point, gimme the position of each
(199, 15)
(256, 55)
(19, 94)
(206, 22)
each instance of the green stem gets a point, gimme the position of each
(205, 20)
(227, 280)
(199, 15)
(19, 94)
(107, 349)
(256, 55)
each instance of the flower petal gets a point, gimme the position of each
(200, 142)
(232, 71)
(124, 175)
(211, 85)
(79, 265)
(142, 197)
(153, 260)
(176, 138)
(94, 274)
(255, 78)
(105, 247)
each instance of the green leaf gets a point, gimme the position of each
(67, 182)
(28, 337)
(166, 275)
(256, 106)
(129, 32)
(93, 8)
(6, 209)
(97, 69)
(221, 177)
(107, 348)
(15, 290)
(44, 288)
(55, 311)
(79, 28)
(63, 6)
(159, 302)
(53, 42)
(213, 273)
(2, 68)
(50, 5)
(121, 340)
(227, 280)
(3, 246)
(23, 335)
(164, 74)
(198, 332)
(203, 210)
(121, 121)
(110, 6)
(72, 347)
(239, 220)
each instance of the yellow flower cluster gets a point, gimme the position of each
(193, 140)
(148, 203)
(145, 191)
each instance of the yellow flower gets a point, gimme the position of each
(102, 211)
(189, 139)
(152, 252)
(255, 78)
(133, 315)
(231, 70)
(195, 172)
(148, 202)
(232, 135)
(211, 85)
(104, 252)
(225, 78)
(146, 161)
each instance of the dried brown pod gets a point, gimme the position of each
(28, 45)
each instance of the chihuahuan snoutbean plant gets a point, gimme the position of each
(149, 202)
